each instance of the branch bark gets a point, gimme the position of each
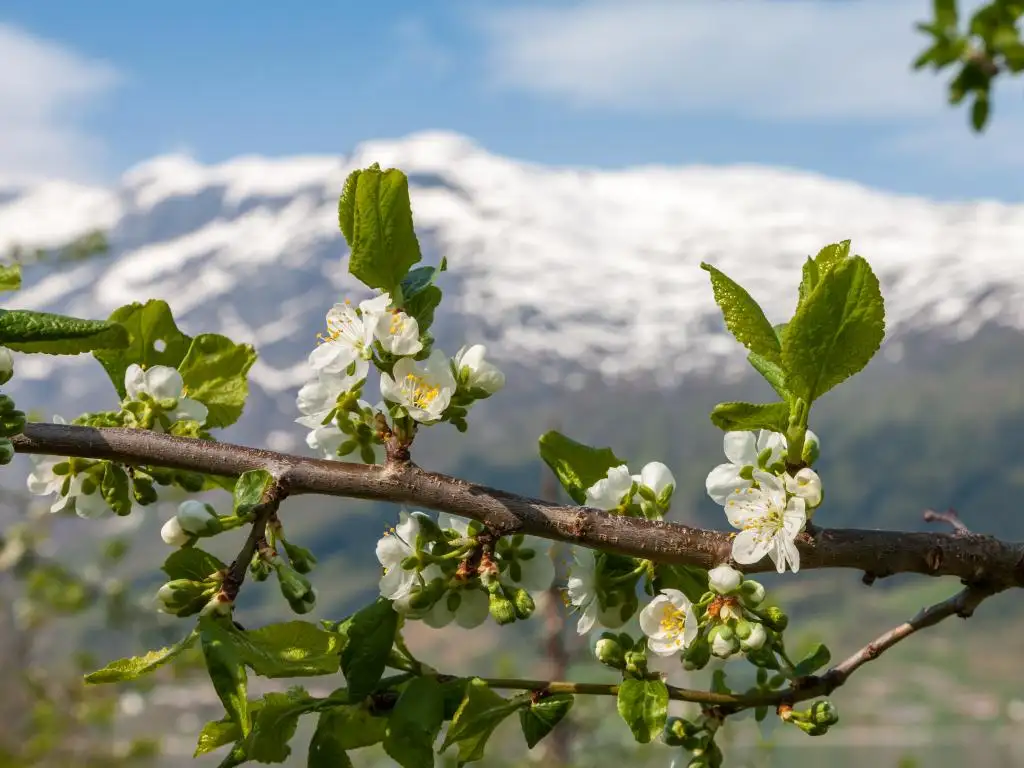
(975, 559)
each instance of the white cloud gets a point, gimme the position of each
(764, 59)
(44, 91)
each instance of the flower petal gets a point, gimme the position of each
(749, 547)
(473, 610)
(134, 381)
(741, 448)
(537, 573)
(724, 480)
(162, 381)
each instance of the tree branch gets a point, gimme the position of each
(269, 505)
(975, 559)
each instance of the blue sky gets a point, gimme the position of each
(93, 88)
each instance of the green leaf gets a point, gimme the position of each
(227, 672)
(643, 704)
(10, 277)
(577, 466)
(746, 417)
(153, 339)
(481, 711)
(191, 563)
(216, 734)
(371, 634)
(419, 279)
(980, 110)
(743, 316)
(352, 726)
(123, 670)
(375, 216)
(827, 259)
(688, 579)
(835, 332)
(540, 718)
(290, 649)
(249, 491)
(422, 306)
(414, 723)
(945, 13)
(214, 372)
(772, 373)
(818, 657)
(274, 725)
(326, 748)
(25, 331)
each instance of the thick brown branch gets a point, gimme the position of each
(975, 559)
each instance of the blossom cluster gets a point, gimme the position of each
(442, 572)
(416, 381)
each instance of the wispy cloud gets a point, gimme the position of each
(777, 60)
(45, 89)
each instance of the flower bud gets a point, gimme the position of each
(501, 608)
(752, 593)
(812, 448)
(811, 729)
(523, 603)
(302, 559)
(676, 731)
(143, 491)
(609, 651)
(173, 535)
(823, 713)
(197, 519)
(183, 597)
(6, 365)
(477, 373)
(724, 642)
(697, 655)
(724, 579)
(12, 423)
(6, 451)
(776, 618)
(6, 404)
(296, 588)
(755, 639)
(636, 661)
(806, 485)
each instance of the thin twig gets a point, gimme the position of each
(949, 516)
(974, 559)
(268, 507)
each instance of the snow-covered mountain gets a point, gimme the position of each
(566, 273)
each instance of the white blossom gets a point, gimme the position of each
(43, 481)
(723, 642)
(468, 608)
(397, 332)
(349, 337)
(392, 549)
(612, 490)
(423, 387)
(806, 484)
(769, 523)
(162, 382)
(724, 579)
(742, 450)
(669, 622)
(534, 566)
(326, 441)
(755, 640)
(582, 590)
(192, 518)
(657, 477)
(479, 373)
(317, 398)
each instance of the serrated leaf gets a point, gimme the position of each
(350, 727)
(149, 326)
(818, 657)
(747, 417)
(191, 563)
(289, 649)
(415, 722)
(274, 725)
(216, 734)
(227, 672)
(772, 373)
(375, 216)
(643, 704)
(41, 332)
(541, 717)
(10, 277)
(688, 579)
(577, 466)
(835, 332)
(249, 491)
(370, 636)
(481, 711)
(827, 259)
(743, 316)
(214, 372)
(123, 670)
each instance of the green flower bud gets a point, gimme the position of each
(775, 618)
(723, 640)
(6, 365)
(609, 651)
(192, 482)
(763, 657)
(6, 451)
(811, 449)
(296, 588)
(697, 655)
(756, 638)
(143, 491)
(636, 661)
(811, 729)
(260, 568)
(302, 559)
(752, 593)
(306, 604)
(523, 603)
(12, 423)
(502, 609)
(183, 597)
(824, 713)
(6, 404)
(743, 629)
